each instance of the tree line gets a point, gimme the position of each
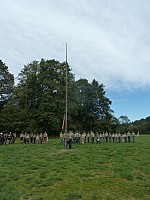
(37, 102)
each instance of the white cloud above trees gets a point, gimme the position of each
(107, 40)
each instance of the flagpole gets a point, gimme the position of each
(66, 112)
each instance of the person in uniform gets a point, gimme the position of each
(71, 135)
(133, 136)
(9, 137)
(122, 138)
(79, 135)
(21, 136)
(125, 137)
(34, 138)
(77, 138)
(110, 137)
(92, 136)
(5, 138)
(45, 137)
(103, 136)
(13, 137)
(1, 138)
(67, 140)
(100, 138)
(41, 138)
(61, 137)
(31, 137)
(119, 137)
(106, 136)
(88, 137)
(37, 138)
(83, 138)
(97, 137)
(128, 136)
(116, 137)
(113, 137)
(27, 138)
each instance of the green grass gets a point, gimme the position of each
(107, 171)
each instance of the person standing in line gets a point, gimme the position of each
(106, 136)
(119, 137)
(122, 138)
(21, 136)
(97, 137)
(77, 138)
(92, 136)
(110, 136)
(88, 137)
(113, 137)
(37, 138)
(100, 137)
(133, 136)
(27, 138)
(71, 135)
(116, 137)
(13, 137)
(45, 137)
(31, 137)
(9, 137)
(125, 137)
(83, 138)
(61, 137)
(103, 136)
(1, 138)
(5, 138)
(74, 137)
(34, 138)
(41, 138)
(128, 135)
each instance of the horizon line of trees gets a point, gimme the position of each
(37, 102)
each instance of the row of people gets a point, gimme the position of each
(98, 137)
(7, 138)
(33, 138)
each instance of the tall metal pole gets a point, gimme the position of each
(66, 113)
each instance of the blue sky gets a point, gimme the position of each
(107, 40)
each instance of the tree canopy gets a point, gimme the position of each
(38, 101)
(6, 83)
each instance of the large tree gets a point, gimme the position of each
(93, 107)
(6, 83)
(38, 102)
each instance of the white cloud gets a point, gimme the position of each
(107, 40)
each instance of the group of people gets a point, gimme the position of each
(70, 137)
(26, 138)
(7, 138)
(33, 138)
(97, 137)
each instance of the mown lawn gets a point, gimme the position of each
(107, 171)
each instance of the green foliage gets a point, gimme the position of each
(93, 107)
(38, 101)
(143, 125)
(6, 83)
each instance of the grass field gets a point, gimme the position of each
(107, 171)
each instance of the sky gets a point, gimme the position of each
(108, 40)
